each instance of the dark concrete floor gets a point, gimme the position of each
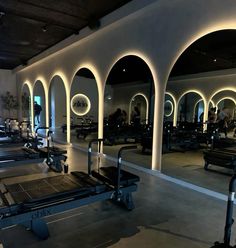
(166, 215)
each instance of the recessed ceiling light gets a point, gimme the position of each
(214, 60)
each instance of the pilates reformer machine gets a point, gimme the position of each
(54, 157)
(29, 202)
(11, 138)
(222, 152)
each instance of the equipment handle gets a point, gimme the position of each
(124, 148)
(99, 141)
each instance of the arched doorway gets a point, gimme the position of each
(127, 111)
(57, 108)
(202, 68)
(39, 98)
(84, 108)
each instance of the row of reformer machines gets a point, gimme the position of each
(114, 133)
(28, 203)
(217, 149)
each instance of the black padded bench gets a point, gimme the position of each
(109, 175)
(49, 189)
(222, 158)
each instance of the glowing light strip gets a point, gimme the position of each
(172, 108)
(174, 101)
(147, 105)
(88, 102)
(157, 126)
(204, 102)
(223, 89)
(226, 98)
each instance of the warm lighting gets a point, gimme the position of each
(133, 99)
(226, 98)
(157, 134)
(205, 117)
(100, 87)
(172, 108)
(80, 104)
(174, 101)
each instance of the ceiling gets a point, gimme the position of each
(215, 51)
(28, 27)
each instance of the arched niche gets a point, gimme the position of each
(39, 97)
(198, 69)
(227, 103)
(225, 99)
(187, 110)
(169, 108)
(57, 108)
(141, 102)
(25, 103)
(128, 92)
(84, 107)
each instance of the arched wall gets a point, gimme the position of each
(148, 31)
(147, 105)
(41, 81)
(54, 93)
(29, 85)
(89, 66)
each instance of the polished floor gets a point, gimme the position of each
(187, 166)
(167, 215)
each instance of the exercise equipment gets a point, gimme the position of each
(54, 157)
(29, 202)
(122, 134)
(229, 216)
(17, 139)
(220, 157)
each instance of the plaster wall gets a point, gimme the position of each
(7, 83)
(57, 102)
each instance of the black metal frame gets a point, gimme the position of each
(229, 216)
(31, 215)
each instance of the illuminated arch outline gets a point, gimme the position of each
(147, 105)
(88, 107)
(89, 66)
(156, 145)
(42, 81)
(172, 108)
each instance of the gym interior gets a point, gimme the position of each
(117, 123)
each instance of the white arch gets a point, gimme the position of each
(89, 66)
(225, 98)
(157, 133)
(147, 105)
(222, 89)
(204, 101)
(174, 101)
(42, 81)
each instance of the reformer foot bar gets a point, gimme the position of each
(29, 202)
